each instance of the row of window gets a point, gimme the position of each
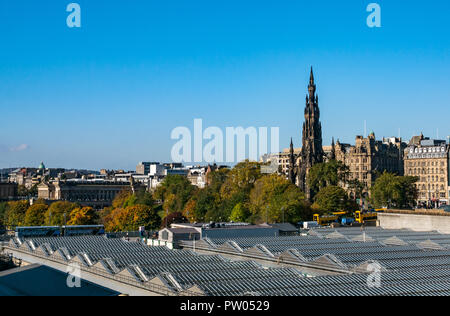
(432, 179)
(426, 163)
(427, 150)
(356, 175)
(431, 187)
(425, 195)
(419, 171)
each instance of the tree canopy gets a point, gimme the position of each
(326, 174)
(3, 213)
(131, 218)
(35, 215)
(394, 191)
(175, 191)
(273, 197)
(56, 211)
(333, 199)
(83, 216)
(15, 213)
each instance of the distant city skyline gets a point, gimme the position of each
(109, 94)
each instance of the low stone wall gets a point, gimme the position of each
(414, 222)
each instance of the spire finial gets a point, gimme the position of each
(311, 77)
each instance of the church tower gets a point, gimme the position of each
(312, 150)
(292, 171)
(333, 150)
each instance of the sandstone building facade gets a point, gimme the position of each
(370, 157)
(96, 194)
(7, 190)
(365, 160)
(429, 160)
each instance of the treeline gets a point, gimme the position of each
(242, 194)
(129, 212)
(21, 213)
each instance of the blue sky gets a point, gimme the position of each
(108, 95)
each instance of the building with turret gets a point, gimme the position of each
(369, 158)
(365, 160)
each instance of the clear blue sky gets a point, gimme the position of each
(109, 94)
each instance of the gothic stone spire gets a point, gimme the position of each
(312, 151)
(333, 150)
(292, 173)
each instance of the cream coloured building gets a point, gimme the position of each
(428, 159)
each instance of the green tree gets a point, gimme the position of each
(130, 201)
(35, 215)
(170, 203)
(15, 215)
(3, 213)
(178, 188)
(131, 218)
(22, 191)
(407, 192)
(240, 213)
(33, 191)
(189, 210)
(141, 197)
(392, 190)
(121, 198)
(83, 216)
(223, 208)
(333, 199)
(56, 211)
(327, 174)
(142, 215)
(357, 188)
(241, 179)
(274, 198)
(204, 202)
(217, 178)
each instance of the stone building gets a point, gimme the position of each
(370, 157)
(284, 158)
(152, 168)
(7, 190)
(428, 159)
(367, 158)
(97, 194)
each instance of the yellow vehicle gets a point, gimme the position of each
(362, 217)
(325, 220)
